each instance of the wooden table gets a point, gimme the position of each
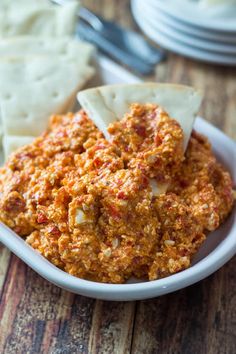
(37, 317)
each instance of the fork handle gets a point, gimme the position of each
(89, 34)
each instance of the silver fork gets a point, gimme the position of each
(122, 44)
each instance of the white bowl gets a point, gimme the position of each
(219, 247)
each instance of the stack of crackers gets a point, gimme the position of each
(42, 67)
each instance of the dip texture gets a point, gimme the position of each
(87, 204)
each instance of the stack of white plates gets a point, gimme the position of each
(190, 28)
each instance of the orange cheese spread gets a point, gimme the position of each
(87, 205)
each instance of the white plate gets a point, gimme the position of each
(186, 38)
(189, 29)
(216, 18)
(219, 247)
(176, 46)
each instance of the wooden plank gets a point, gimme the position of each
(11, 297)
(4, 264)
(199, 319)
(230, 106)
(38, 317)
(112, 327)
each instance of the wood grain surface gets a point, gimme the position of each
(38, 317)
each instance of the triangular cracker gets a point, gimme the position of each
(106, 104)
